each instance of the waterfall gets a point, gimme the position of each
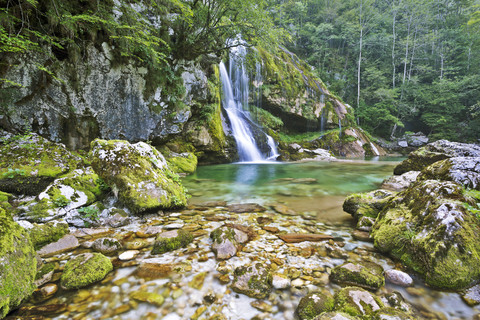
(235, 85)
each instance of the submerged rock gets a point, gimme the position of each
(436, 151)
(254, 281)
(430, 228)
(171, 240)
(314, 304)
(84, 270)
(367, 275)
(29, 163)
(226, 240)
(140, 174)
(18, 265)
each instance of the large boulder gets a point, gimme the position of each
(139, 173)
(18, 266)
(29, 163)
(436, 151)
(367, 204)
(314, 304)
(432, 228)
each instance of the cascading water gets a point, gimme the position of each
(235, 85)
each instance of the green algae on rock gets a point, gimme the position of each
(254, 281)
(314, 304)
(29, 163)
(18, 265)
(150, 297)
(76, 189)
(171, 240)
(357, 302)
(367, 275)
(430, 229)
(366, 204)
(185, 162)
(84, 270)
(43, 234)
(139, 173)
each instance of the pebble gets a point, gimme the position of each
(128, 255)
(172, 226)
(298, 283)
(280, 281)
(398, 277)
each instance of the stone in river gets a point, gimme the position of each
(398, 277)
(67, 243)
(299, 237)
(245, 207)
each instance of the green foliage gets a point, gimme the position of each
(90, 212)
(61, 201)
(299, 137)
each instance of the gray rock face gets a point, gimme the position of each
(399, 183)
(462, 170)
(436, 151)
(97, 99)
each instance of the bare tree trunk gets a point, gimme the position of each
(413, 54)
(359, 66)
(393, 46)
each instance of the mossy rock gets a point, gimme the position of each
(436, 151)
(367, 275)
(183, 162)
(140, 174)
(335, 315)
(462, 170)
(357, 302)
(18, 265)
(392, 314)
(84, 270)
(171, 240)
(254, 281)
(314, 304)
(430, 228)
(43, 234)
(5, 196)
(150, 297)
(29, 163)
(367, 204)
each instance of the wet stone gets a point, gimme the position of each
(150, 297)
(128, 255)
(262, 305)
(280, 281)
(150, 231)
(398, 277)
(254, 281)
(314, 304)
(67, 243)
(107, 246)
(49, 309)
(246, 207)
(362, 236)
(367, 275)
(44, 293)
(472, 296)
(282, 209)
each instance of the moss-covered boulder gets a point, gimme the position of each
(139, 173)
(462, 170)
(254, 281)
(366, 204)
(433, 229)
(314, 304)
(29, 163)
(436, 151)
(78, 188)
(18, 265)
(85, 269)
(357, 302)
(185, 162)
(43, 234)
(171, 240)
(367, 275)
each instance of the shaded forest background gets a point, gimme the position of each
(404, 65)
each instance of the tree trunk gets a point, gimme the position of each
(359, 66)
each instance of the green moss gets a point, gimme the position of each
(363, 274)
(183, 164)
(17, 264)
(46, 269)
(254, 281)
(165, 244)
(44, 234)
(220, 234)
(29, 163)
(143, 180)
(84, 270)
(357, 302)
(314, 304)
(5, 197)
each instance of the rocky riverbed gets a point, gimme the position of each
(114, 240)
